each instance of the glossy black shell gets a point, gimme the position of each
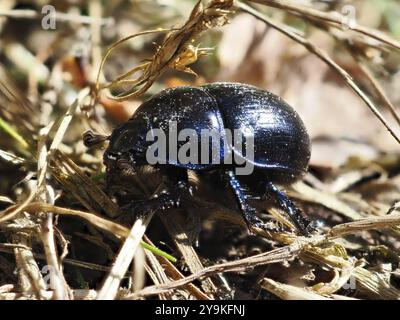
(281, 142)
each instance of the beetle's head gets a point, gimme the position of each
(127, 147)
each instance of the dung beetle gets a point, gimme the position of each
(281, 149)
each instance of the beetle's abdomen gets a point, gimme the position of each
(281, 142)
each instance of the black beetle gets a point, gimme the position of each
(281, 144)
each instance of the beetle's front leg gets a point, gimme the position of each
(173, 189)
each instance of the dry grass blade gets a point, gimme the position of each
(82, 187)
(30, 278)
(8, 248)
(111, 284)
(378, 88)
(341, 277)
(57, 280)
(114, 228)
(172, 272)
(176, 50)
(335, 18)
(372, 283)
(78, 294)
(157, 273)
(325, 58)
(326, 199)
(331, 256)
(274, 256)
(12, 158)
(138, 270)
(130, 72)
(189, 254)
(45, 194)
(13, 211)
(289, 292)
(384, 222)
(66, 119)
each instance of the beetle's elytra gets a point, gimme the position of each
(281, 150)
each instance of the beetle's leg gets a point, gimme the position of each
(173, 188)
(302, 223)
(248, 212)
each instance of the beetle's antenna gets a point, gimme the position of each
(91, 139)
